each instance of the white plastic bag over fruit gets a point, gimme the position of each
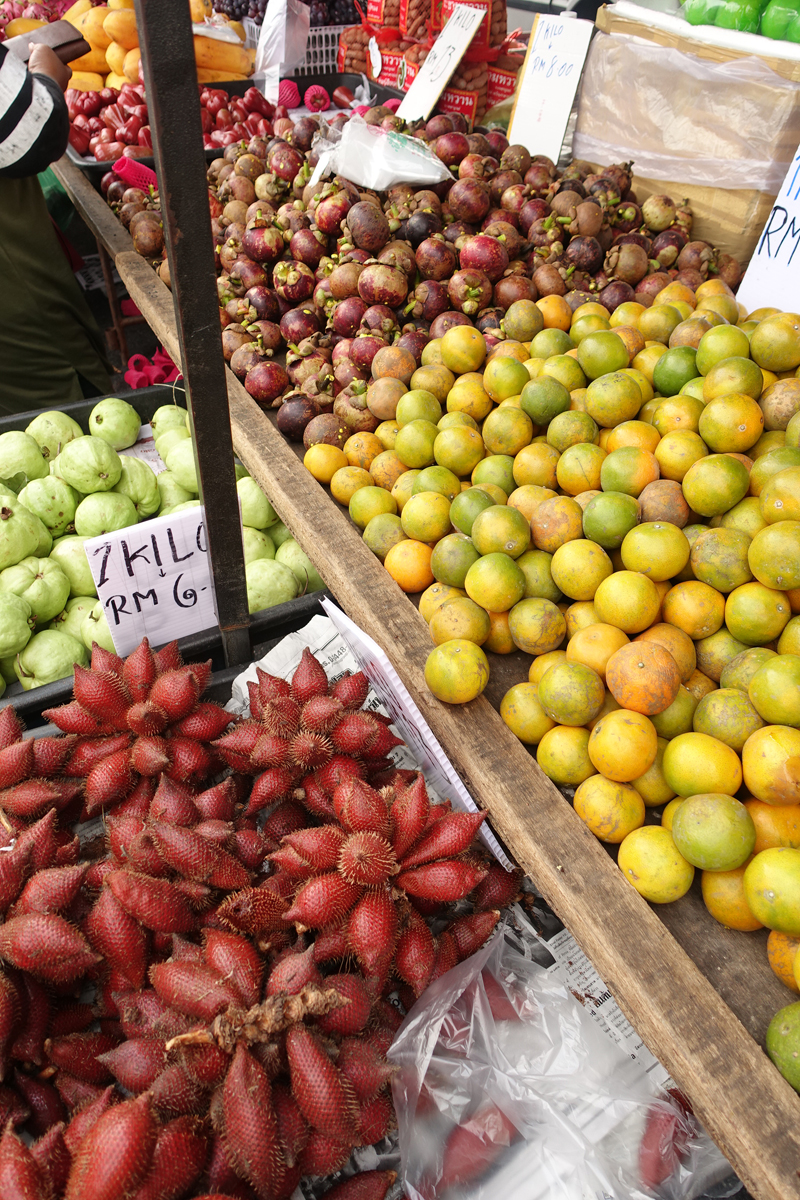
(680, 117)
(509, 1090)
(281, 44)
(374, 158)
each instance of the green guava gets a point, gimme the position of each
(20, 530)
(169, 438)
(71, 617)
(116, 422)
(168, 416)
(278, 533)
(53, 501)
(94, 628)
(257, 512)
(41, 582)
(180, 461)
(20, 453)
(16, 623)
(70, 555)
(138, 482)
(48, 656)
(104, 512)
(257, 544)
(170, 490)
(90, 465)
(308, 577)
(269, 583)
(51, 431)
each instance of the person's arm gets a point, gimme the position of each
(34, 122)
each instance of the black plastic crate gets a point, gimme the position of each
(237, 87)
(269, 623)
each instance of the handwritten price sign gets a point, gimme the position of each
(440, 64)
(154, 580)
(773, 277)
(550, 76)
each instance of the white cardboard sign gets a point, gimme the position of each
(773, 276)
(154, 580)
(435, 72)
(550, 75)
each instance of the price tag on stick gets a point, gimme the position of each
(154, 580)
(773, 276)
(435, 72)
(550, 74)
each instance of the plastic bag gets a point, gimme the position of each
(778, 16)
(686, 119)
(508, 1088)
(374, 158)
(281, 44)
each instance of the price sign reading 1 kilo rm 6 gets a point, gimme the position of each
(435, 72)
(155, 581)
(550, 75)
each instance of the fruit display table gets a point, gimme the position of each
(699, 995)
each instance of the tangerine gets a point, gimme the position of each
(524, 715)
(781, 952)
(678, 451)
(771, 764)
(495, 582)
(623, 745)
(501, 529)
(772, 889)
(409, 564)
(775, 692)
(609, 517)
(613, 398)
(536, 464)
(578, 567)
(651, 784)
(776, 825)
(651, 862)
(611, 810)
(643, 677)
(457, 671)
(656, 549)
(556, 521)
(452, 557)
(774, 556)
(580, 467)
(732, 423)
(755, 614)
(571, 693)
(594, 644)
(628, 600)
(628, 470)
(723, 896)
(463, 349)
(562, 754)
(696, 763)
(694, 607)
(459, 618)
(381, 533)
(727, 715)
(536, 625)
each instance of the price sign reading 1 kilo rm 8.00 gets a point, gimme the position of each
(550, 76)
(435, 72)
(154, 580)
(773, 276)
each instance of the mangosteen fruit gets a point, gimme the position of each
(294, 415)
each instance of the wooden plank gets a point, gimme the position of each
(739, 1096)
(93, 208)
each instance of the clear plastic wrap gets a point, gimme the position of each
(507, 1088)
(680, 117)
(281, 44)
(374, 158)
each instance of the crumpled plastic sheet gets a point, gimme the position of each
(508, 1090)
(374, 158)
(680, 117)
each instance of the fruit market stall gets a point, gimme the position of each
(681, 977)
(701, 995)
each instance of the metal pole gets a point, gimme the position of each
(173, 101)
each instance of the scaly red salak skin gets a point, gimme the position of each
(190, 847)
(251, 1126)
(21, 1178)
(324, 1096)
(114, 1157)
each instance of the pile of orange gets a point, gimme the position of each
(617, 495)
